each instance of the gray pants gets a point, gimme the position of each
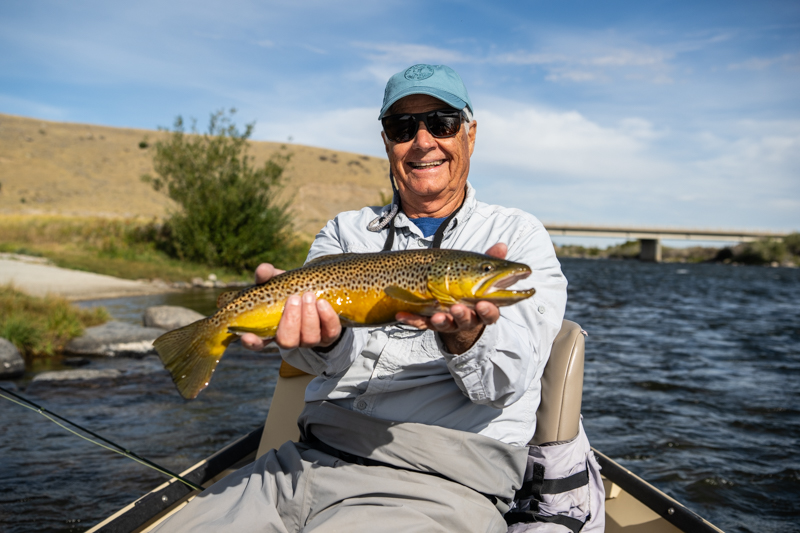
(297, 488)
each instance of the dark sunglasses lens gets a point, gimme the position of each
(443, 124)
(400, 128)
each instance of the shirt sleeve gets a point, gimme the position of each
(510, 355)
(350, 344)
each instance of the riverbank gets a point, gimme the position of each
(766, 252)
(38, 278)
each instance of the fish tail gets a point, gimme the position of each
(191, 354)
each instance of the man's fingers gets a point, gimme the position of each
(444, 323)
(488, 312)
(309, 325)
(499, 250)
(251, 341)
(329, 322)
(415, 321)
(288, 334)
(265, 271)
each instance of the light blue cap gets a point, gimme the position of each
(439, 81)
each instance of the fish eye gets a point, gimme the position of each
(487, 267)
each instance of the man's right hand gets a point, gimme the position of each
(306, 322)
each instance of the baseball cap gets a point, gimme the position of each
(439, 81)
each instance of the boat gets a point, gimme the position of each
(632, 505)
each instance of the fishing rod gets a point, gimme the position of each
(116, 448)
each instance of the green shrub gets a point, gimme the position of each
(228, 214)
(626, 250)
(792, 242)
(760, 252)
(42, 326)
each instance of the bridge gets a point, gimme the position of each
(650, 238)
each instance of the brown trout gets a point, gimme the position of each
(363, 289)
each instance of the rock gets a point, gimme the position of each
(181, 285)
(115, 339)
(169, 317)
(12, 365)
(197, 282)
(78, 375)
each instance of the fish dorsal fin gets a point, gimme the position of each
(442, 297)
(327, 258)
(404, 295)
(227, 297)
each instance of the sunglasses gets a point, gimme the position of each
(441, 123)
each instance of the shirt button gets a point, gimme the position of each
(461, 366)
(361, 404)
(383, 376)
(541, 309)
(421, 242)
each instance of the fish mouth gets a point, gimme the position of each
(496, 285)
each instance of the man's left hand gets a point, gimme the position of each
(462, 326)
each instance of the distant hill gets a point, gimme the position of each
(87, 170)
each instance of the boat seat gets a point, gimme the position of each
(558, 415)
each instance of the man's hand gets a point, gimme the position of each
(462, 326)
(306, 321)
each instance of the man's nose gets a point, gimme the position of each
(424, 139)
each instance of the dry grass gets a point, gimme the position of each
(101, 245)
(85, 170)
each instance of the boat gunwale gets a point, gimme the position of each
(660, 503)
(137, 514)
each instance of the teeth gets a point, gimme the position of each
(427, 164)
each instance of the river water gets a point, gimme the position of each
(692, 381)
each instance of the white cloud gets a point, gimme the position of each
(351, 130)
(564, 143)
(406, 54)
(760, 63)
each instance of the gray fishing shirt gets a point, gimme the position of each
(406, 375)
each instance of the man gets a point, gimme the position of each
(422, 425)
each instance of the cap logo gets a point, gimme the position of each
(419, 72)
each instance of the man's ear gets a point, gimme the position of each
(473, 128)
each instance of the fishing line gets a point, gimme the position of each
(116, 448)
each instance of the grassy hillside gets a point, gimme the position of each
(85, 170)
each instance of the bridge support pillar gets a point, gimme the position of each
(651, 250)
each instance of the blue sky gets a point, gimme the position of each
(680, 113)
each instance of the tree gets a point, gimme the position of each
(228, 214)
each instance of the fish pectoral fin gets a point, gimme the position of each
(442, 297)
(404, 295)
(227, 297)
(264, 333)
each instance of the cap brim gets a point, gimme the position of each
(446, 97)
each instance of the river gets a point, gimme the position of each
(692, 382)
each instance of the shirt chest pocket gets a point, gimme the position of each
(410, 347)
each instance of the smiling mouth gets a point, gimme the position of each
(426, 164)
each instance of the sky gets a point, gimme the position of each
(650, 113)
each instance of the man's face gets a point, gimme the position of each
(429, 170)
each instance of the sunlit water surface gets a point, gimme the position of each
(691, 382)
